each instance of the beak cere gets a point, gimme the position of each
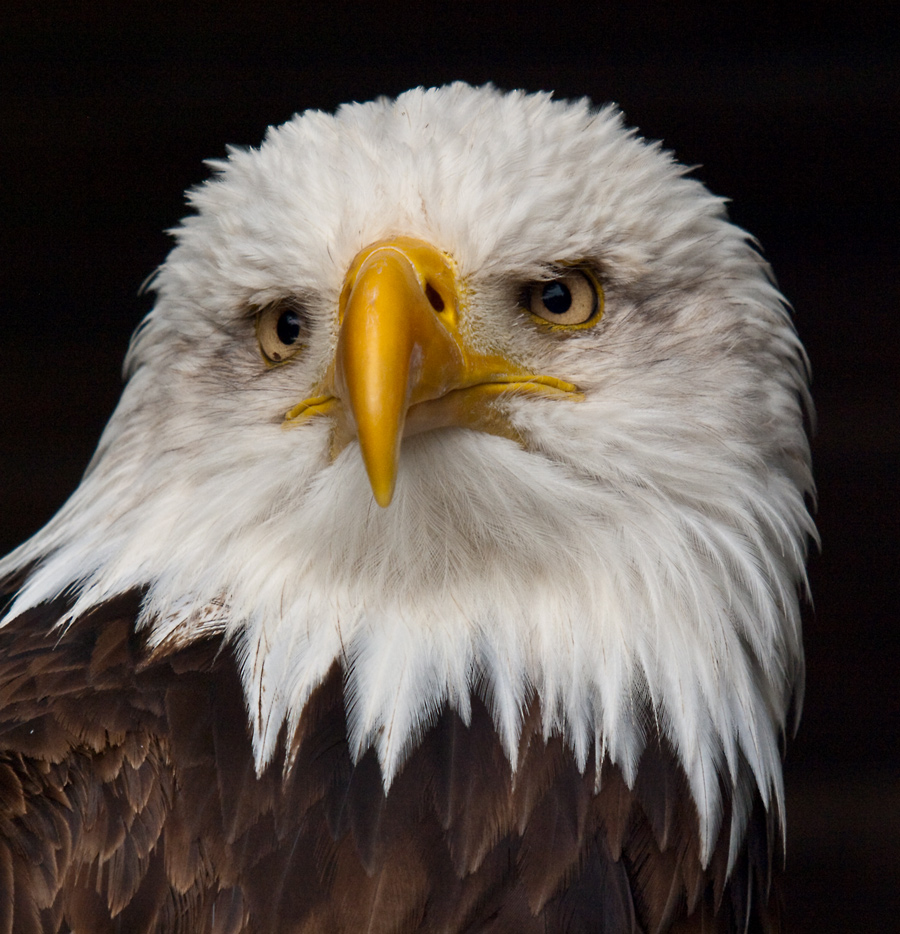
(402, 365)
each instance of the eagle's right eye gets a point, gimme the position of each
(279, 330)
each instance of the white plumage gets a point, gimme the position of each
(635, 559)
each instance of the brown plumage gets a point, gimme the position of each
(129, 803)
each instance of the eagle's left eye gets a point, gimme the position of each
(575, 299)
(280, 329)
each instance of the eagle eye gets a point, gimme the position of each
(279, 330)
(573, 300)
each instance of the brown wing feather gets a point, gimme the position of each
(129, 803)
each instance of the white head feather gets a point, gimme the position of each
(639, 557)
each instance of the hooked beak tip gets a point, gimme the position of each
(383, 497)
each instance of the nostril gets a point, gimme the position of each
(431, 293)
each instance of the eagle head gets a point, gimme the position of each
(479, 395)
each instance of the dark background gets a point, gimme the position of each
(107, 110)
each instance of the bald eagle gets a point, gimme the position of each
(439, 568)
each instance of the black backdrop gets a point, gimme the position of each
(107, 109)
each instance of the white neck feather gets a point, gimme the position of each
(494, 570)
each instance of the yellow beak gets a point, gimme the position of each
(402, 366)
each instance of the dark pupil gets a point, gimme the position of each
(288, 327)
(557, 298)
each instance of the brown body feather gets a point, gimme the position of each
(129, 803)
